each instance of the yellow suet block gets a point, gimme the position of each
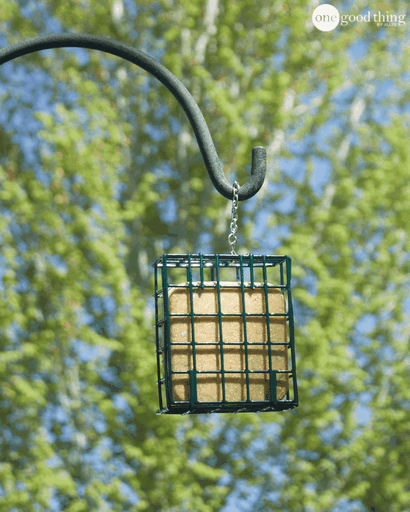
(207, 330)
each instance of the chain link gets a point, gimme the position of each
(234, 217)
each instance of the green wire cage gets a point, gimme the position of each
(224, 333)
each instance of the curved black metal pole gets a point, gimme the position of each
(170, 81)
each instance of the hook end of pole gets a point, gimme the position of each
(258, 172)
(258, 159)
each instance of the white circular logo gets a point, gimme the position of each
(325, 17)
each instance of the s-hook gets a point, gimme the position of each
(170, 81)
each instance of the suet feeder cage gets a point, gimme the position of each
(224, 333)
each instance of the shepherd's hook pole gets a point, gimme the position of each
(141, 59)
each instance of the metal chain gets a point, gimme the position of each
(234, 217)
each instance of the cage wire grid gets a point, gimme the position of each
(186, 275)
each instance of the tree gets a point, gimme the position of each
(116, 179)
